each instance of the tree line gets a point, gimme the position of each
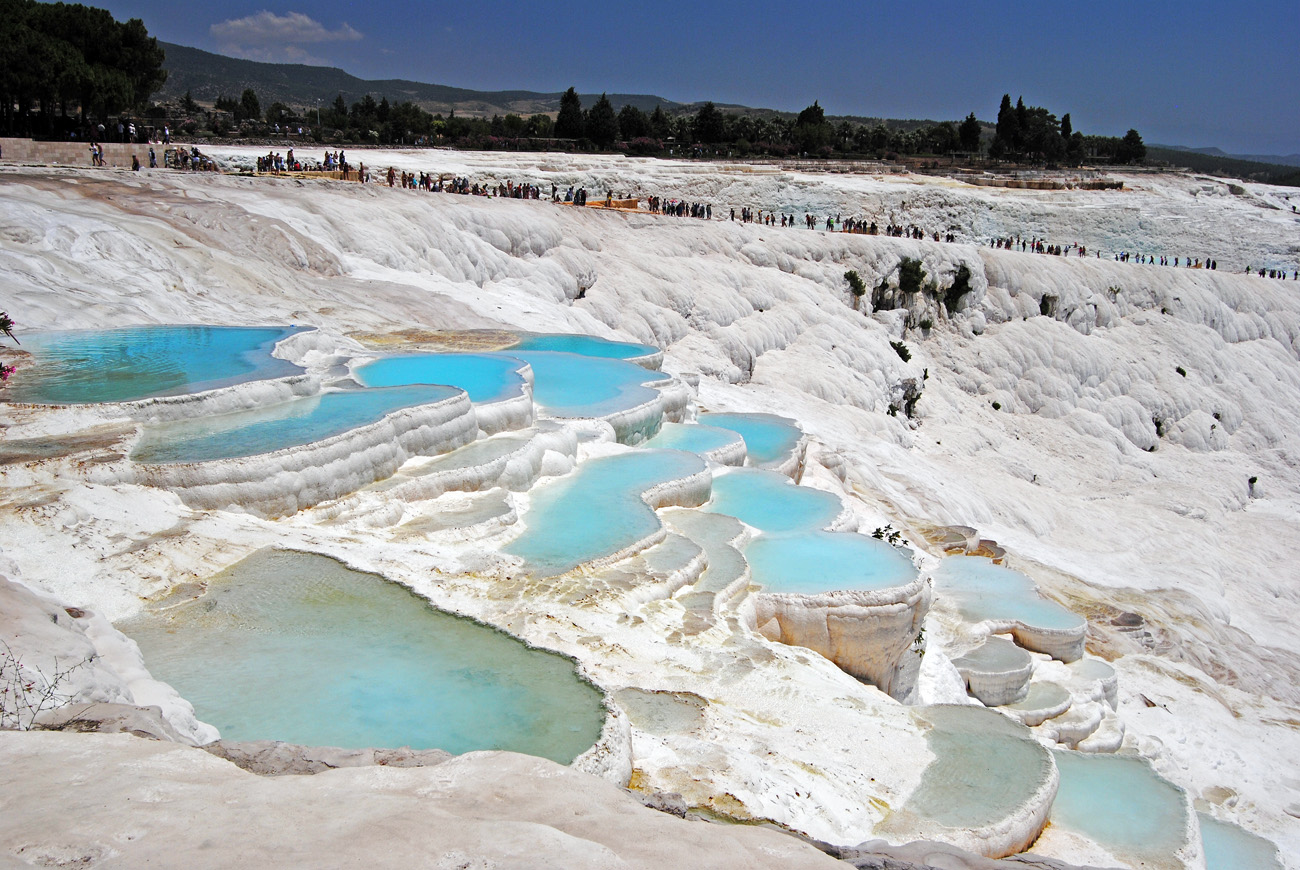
(1033, 133)
(61, 58)
(1025, 134)
(72, 63)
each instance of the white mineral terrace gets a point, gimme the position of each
(1123, 435)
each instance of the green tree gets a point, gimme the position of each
(1006, 140)
(514, 125)
(249, 108)
(1040, 135)
(58, 54)
(710, 125)
(602, 123)
(633, 123)
(911, 277)
(1131, 148)
(364, 113)
(568, 124)
(1075, 148)
(942, 138)
(812, 116)
(969, 133)
(540, 126)
(188, 106)
(280, 113)
(811, 131)
(660, 123)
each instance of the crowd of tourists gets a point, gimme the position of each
(333, 161)
(577, 195)
(681, 208)
(1279, 274)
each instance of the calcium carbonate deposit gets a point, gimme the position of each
(1120, 438)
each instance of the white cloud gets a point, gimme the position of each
(270, 37)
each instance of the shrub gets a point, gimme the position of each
(927, 324)
(856, 286)
(911, 277)
(997, 406)
(1182, 371)
(26, 692)
(7, 327)
(901, 349)
(889, 535)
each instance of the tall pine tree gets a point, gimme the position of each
(568, 124)
(969, 133)
(602, 123)
(1008, 131)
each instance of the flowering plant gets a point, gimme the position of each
(7, 327)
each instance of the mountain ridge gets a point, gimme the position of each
(206, 75)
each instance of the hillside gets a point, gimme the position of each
(1278, 159)
(1225, 165)
(206, 76)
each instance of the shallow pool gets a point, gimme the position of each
(298, 647)
(770, 502)
(809, 563)
(585, 345)
(1042, 696)
(984, 767)
(140, 362)
(598, 510)
(769, 440)
(569, 385)
(982, 590)
(693, 438)
(485, 377)
(995, 655)
(275, 427)
(1121, 804)
(1229, 847)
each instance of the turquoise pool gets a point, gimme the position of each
(141, 362)
(769, 439)
(693, 438)
(585, 345)
(982, 590)
(485, 377)
(298, 647)
(809, 563)
(1121, 804)
(275, 427)
(770, 502)
(984, 767)
(569, 385)
(597, 510)
(1228, 847)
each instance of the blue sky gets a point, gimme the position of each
(1186, 73)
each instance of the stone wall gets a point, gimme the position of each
(77, 153)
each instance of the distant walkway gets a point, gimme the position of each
(120, 155)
